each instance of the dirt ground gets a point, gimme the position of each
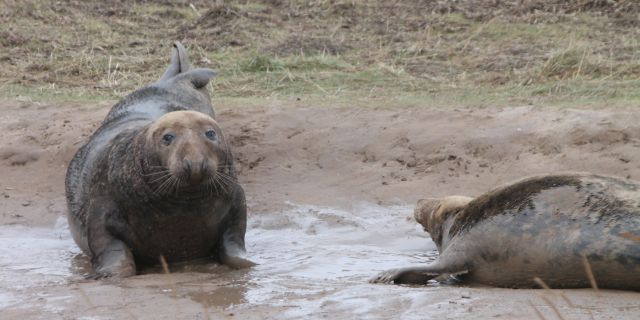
(345, 175)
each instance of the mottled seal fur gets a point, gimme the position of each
(543, 227)
(157, 179)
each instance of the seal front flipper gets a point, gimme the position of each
(413, 275)
(233, 255)
(112, 260)
(109, 256)
(232, 250)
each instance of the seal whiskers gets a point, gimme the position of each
(225, 180)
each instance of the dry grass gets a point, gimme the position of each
(462, 52)
(588, 270)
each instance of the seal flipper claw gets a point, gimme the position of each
(97, 276)
(93, 276)
(411, 275)
(237, 262)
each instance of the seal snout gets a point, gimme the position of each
(190, 145)
(195, 171)
(425, 208)
(431, 212)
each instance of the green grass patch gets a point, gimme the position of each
(570, 63)
(265, 63)
(315, 63)
(49, 93)
(260, 63)
(339, 90)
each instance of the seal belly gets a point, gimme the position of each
(550, 235)
(177, 233)
(176, 243)
(86, 170)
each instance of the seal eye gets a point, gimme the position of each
(167, 138)
(211, 135)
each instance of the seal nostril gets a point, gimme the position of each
(204, 167)
(187, 166)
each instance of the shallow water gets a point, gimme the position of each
(313, 262)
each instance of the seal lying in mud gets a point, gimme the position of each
(543, 227)
(157, 179)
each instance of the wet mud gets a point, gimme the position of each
(330, 192)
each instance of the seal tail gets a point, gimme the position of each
(179, 62)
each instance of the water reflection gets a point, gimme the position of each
(222, 296)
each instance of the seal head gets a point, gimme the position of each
(432, 213)
(187, 151)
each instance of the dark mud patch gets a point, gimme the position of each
(19, 156)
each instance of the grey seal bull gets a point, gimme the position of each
(157, 179)
(544, 227)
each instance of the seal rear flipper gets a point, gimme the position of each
(413, 275)
(179, 62)
(199, 77)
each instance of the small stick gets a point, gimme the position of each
(587, 267)
(541, 283)
(165, 268)
(546, 287)
(538, 313)
(553, 306)
(85, 296)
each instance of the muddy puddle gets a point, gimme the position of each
(313, 262)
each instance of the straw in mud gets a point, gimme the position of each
(171, 280)
(547, 289)
(165, 268)
(549, 302)
(85, 296)
(538, 313)
(587, 267)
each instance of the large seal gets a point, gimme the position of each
(552, 227)
(157, 180)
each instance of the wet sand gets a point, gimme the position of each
(330, 193)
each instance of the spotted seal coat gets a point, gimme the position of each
(544, 227)
(156, 179)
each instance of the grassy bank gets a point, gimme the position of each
(411, 52)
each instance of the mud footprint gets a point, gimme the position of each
(19, 156)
